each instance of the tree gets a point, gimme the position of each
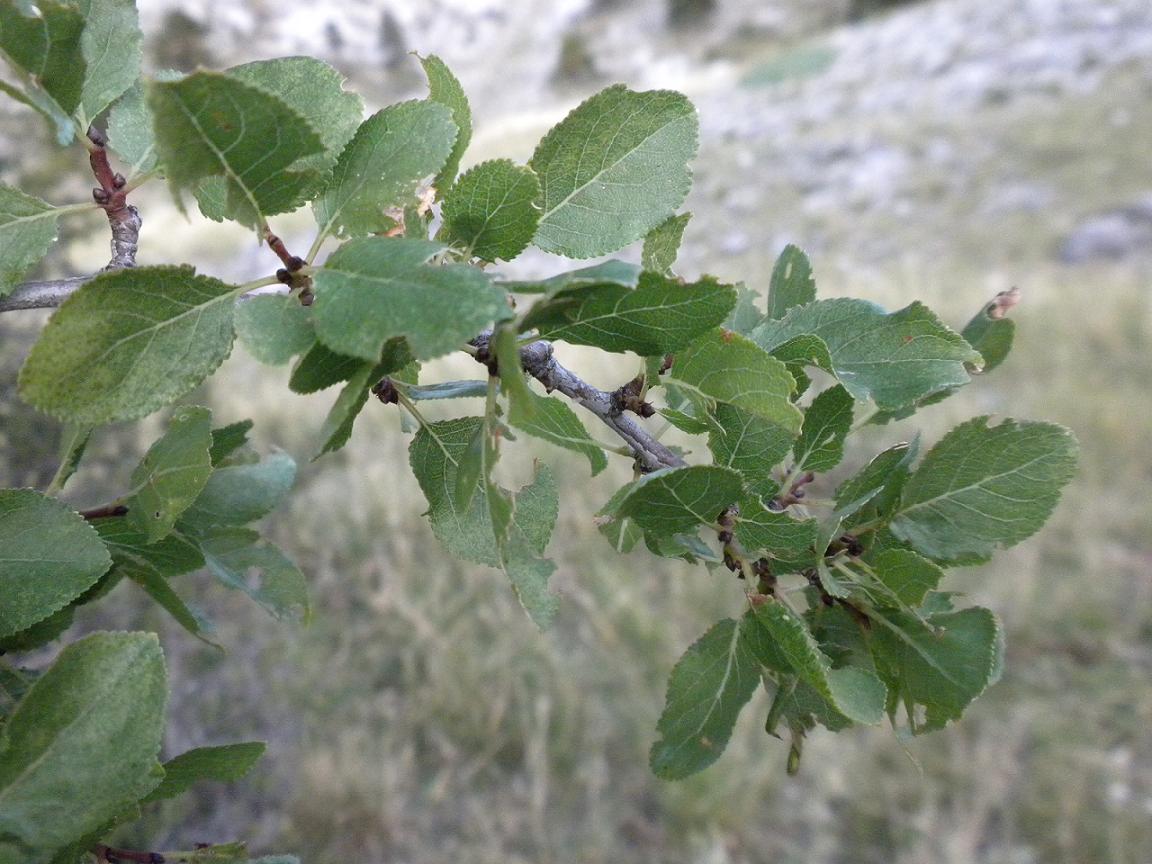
(839, 606)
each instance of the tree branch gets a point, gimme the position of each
(539, 361)
(41, 295)
(51, 293)
(112, 196)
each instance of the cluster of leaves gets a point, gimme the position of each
(844, 617)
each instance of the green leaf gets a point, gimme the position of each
(129, 342)
(514, 383)
(529, 577)
(746, 315)
(730, 368)
(49, 556)
(312, 89)
(985, 487)
(942, 665)
(686, 422)
(491, 212)
(81, 746)
(675, 500)
(856, 693)
(992, 337)
(611, 272)
(175, 555)
(472, 468)
(749, 444)
(709, 685)
(613, 169)
(444, 88)
(209, 124)
(320, 368)
(43, 43)
(820, 446)
(238, 494)
(274, 329)
(435, 455)
(659, 316)
(131, 130)
(493, 527)
(241, 560)
(554, 421)
(41, 633)
(907, 575)
(662, 244)
(162, 592)
(172, 473)
(775, 533)
(374, 289)
(391, 152)
(534, 517)
(804, 350)
(228, 439)
(337, 428)
(226, 763)
(878, 484)
(893, 359)
(315, 91)
(110, 46)
(151, 566)
(27, 228)
(792, 282)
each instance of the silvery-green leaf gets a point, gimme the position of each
(445, 89)
(391, 152)
(172, 473)
(677, 500)
(274, 329)
(81, 746)
(49, 556)
(659, 316)
(984, 487)
(129, 342)
(894, 359)
(662, 244)
(210, 124)
(730, 368)
(827, 420)
(375, 289)
(792, 283)
(491, 212)
(225, 763)
(110, 46)
(613, 169)
(709, 685)
(27, 229)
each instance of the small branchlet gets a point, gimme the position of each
(112, 196)
(107, 511)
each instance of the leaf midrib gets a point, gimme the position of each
(606, 168)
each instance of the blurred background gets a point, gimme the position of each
(940, 151)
